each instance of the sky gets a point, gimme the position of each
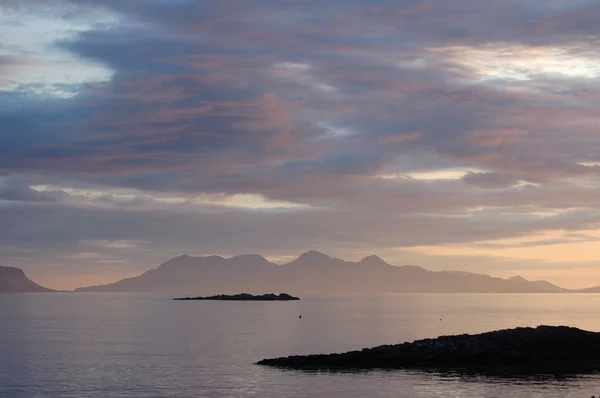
(460, 135)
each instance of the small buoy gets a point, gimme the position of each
(300, 317)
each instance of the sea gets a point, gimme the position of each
(146, 345)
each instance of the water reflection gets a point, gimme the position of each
(488, 376)
(149, 346)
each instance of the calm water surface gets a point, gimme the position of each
(128, 345)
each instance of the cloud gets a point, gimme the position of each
(32, 61)
(17, 189)
(511, 62)
(111, 244)
(490, 180)
(556, 247)
(240, 124)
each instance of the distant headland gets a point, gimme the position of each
(245, 297)
(14, 280)
(541, 350)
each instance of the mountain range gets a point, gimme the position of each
(14, 280)
(314, 273)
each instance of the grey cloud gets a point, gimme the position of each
(59, 227)
(18, 189)
(200, 103)
(490, 180)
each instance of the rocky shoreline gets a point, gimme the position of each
(245, 297)
(545, 349)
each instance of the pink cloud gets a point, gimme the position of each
(399, 138)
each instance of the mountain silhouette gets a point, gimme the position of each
(14, 280)
(595, 289)
(312, 273)
(373, 261)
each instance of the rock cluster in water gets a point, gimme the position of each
(245, 297)
(545, 349)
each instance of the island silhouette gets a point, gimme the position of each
(311, 273)
(555, 350)
(314, 273)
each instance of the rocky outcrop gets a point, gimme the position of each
(245, 297)
(545, 349)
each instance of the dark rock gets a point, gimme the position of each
(245, 297)
(545, 349)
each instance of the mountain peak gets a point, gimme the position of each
(249, 259)
(186, 260)
(175, 261)
(11, 270)
(373, 260)
(313, 255)
(518, 278)
(214, 257)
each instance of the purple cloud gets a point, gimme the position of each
(380, 111)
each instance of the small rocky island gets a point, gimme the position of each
(245, 297)
(541, 350)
